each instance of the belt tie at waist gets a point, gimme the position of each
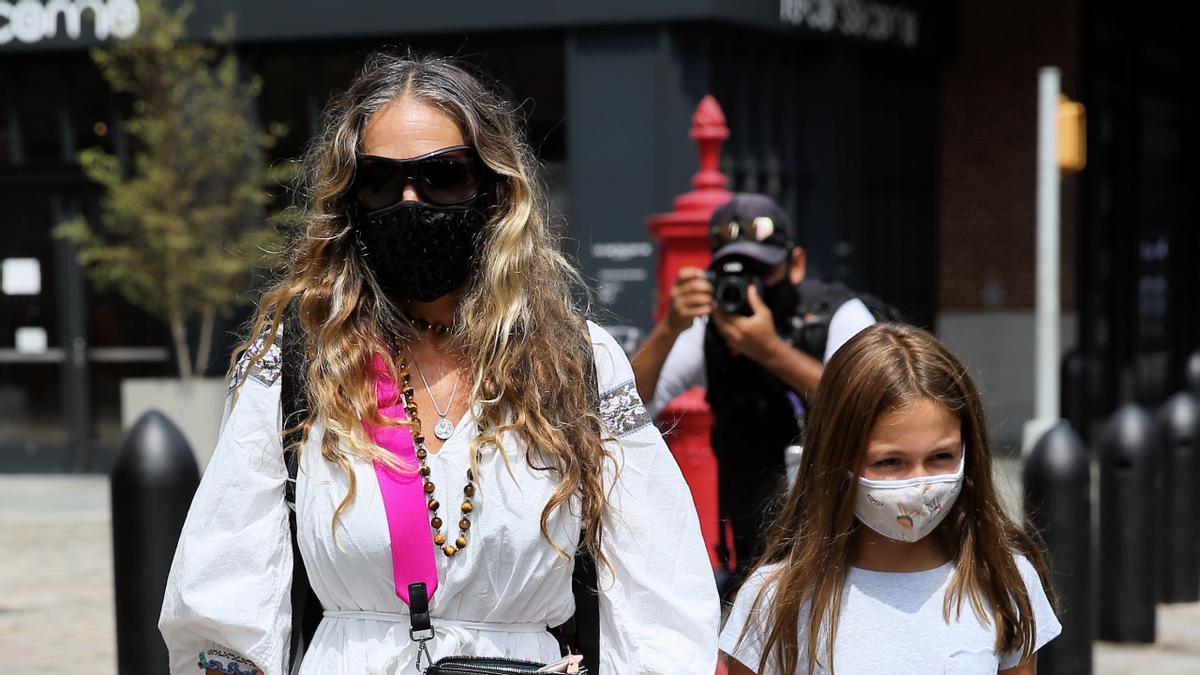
(438, 622)
(397, 653)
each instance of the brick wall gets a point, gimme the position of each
(988, 149)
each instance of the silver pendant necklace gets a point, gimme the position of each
(444, 428)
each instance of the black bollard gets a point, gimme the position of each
(153, 482)
(1129, 487)
(1073, 393)
(1192, 373)
(1058, 503)
(1179, 428)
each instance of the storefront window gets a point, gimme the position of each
(30, 387)
(282, 102)
(7, 132)
(40, 113)
(93, 107)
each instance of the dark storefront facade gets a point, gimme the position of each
(1138, 276)
(832, 108)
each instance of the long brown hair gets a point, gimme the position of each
(885, 368)
(520, 323)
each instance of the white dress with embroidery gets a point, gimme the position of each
(227, 603)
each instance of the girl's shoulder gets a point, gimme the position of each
(1034, 584)
(1039, 594)
(746, 627)
(1041, 605)
(761, 581)
(1025, 567)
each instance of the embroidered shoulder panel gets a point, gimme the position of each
(622, 410)
(266, 370)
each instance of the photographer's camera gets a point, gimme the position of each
(731, 282)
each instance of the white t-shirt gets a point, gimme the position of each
(684, 366)
(892, 622)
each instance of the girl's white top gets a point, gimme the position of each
(892, 622)
(227, 603)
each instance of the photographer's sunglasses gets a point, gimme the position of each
(757, 229)
(444, 177)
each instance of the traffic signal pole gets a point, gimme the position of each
(1046, 385)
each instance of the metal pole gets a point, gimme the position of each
(1046, 412)
(72, 318)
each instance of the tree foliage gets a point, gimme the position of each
(183, 222)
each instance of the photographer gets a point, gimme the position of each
(756, 333)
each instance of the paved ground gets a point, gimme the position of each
(56, 598)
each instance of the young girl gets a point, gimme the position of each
(892, 553)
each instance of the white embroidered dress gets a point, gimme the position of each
(227, 603)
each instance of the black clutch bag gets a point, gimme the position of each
(482, 665)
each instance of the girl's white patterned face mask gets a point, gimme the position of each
(909, 509)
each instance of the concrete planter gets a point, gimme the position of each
(195, 407)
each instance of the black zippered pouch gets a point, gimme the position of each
(482, 665)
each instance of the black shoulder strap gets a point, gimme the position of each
(584, 585)
(882, 310)
(584, 580)
(818, 302)
(305, 605)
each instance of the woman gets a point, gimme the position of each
(427, 267)
(892, 553)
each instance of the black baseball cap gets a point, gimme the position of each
(750, 226)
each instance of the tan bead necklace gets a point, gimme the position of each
(435, 522)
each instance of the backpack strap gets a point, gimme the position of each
(881, 309)
(581, 633)
(584, 586)
(584, 580)
(306, 615)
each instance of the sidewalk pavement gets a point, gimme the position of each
(56, 596)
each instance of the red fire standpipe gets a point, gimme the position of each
(682, 237)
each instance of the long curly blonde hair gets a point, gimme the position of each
(519, 324)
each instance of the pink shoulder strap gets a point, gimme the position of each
(403, 492)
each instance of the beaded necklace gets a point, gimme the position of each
(435, 522)
(425, 325)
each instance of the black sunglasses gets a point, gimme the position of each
(444, 177)
(757, 229)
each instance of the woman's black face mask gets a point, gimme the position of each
(420, 251)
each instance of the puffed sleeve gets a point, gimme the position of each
(659, 611)
(227, 603)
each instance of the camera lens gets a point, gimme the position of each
(731, 294)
